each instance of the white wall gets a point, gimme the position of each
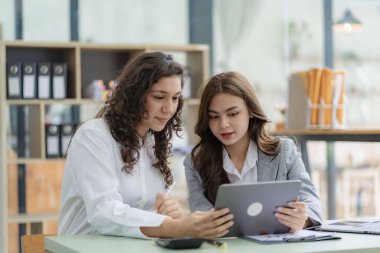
(134, 21)
(46, 20)
(7, 20)
(112, 21)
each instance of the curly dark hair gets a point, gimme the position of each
(125, 109)
(207, 155)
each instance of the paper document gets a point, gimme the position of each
(300, 236)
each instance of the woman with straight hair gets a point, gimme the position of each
(235, 147)
(116, 174)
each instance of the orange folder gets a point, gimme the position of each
(327, 96)
(315, 96)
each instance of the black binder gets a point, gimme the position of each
(14, 80)
(67, 131)
(44, 80)
(29, 90)
(59, 83)
(52, 141)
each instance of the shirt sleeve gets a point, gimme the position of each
(98, 185)
(296, 170)
(197, 200)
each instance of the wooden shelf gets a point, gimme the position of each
(34, 160)
(42, 102)
(28, 218)
(53, 101)
(330, 132)
(354, 135)
(192, 102)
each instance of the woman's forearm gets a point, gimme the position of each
(168, 228)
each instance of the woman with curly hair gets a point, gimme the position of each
(234, 147)
(117, 171)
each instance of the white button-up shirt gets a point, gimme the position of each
(249, 171)
(97, 197)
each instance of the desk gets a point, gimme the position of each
(330, 136)
(110, 244)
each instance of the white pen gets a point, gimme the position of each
(169, 190)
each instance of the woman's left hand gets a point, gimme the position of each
(168, 205)
(295, 218)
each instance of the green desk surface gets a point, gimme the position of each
(109, 244)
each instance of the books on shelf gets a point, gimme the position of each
(36, 80)
(316, 100)
(58, 138)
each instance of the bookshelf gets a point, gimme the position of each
(30, 182)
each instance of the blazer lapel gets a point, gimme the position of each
(267, 168)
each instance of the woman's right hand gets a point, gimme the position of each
(211, 224)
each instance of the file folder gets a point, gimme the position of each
(29, 81)
(67, 131)
(44, 80)
(186, 90)
(321, 107)
(14, 80)
(299, 236)
(52, 141)
(59, 80)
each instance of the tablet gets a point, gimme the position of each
(254, 205)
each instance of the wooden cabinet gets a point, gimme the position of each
(31, 182)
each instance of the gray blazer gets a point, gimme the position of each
(287, 165)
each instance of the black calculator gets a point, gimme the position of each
(179, 243)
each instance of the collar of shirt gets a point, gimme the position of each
(249, 166)
(149, 144)
(148, 140)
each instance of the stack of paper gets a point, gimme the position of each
(300, 236)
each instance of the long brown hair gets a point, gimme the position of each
(207, 155)
(126, 109)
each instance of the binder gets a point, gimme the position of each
(186, 89)
(327, 96)
(52, 141)
(29, 81)
(315, 96)
(14, 80)
(59, 82)
(67, 131)
(44, 80)
(338, 100)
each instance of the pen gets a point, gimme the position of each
(170, 188)
(298, 239)
(219, 244)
